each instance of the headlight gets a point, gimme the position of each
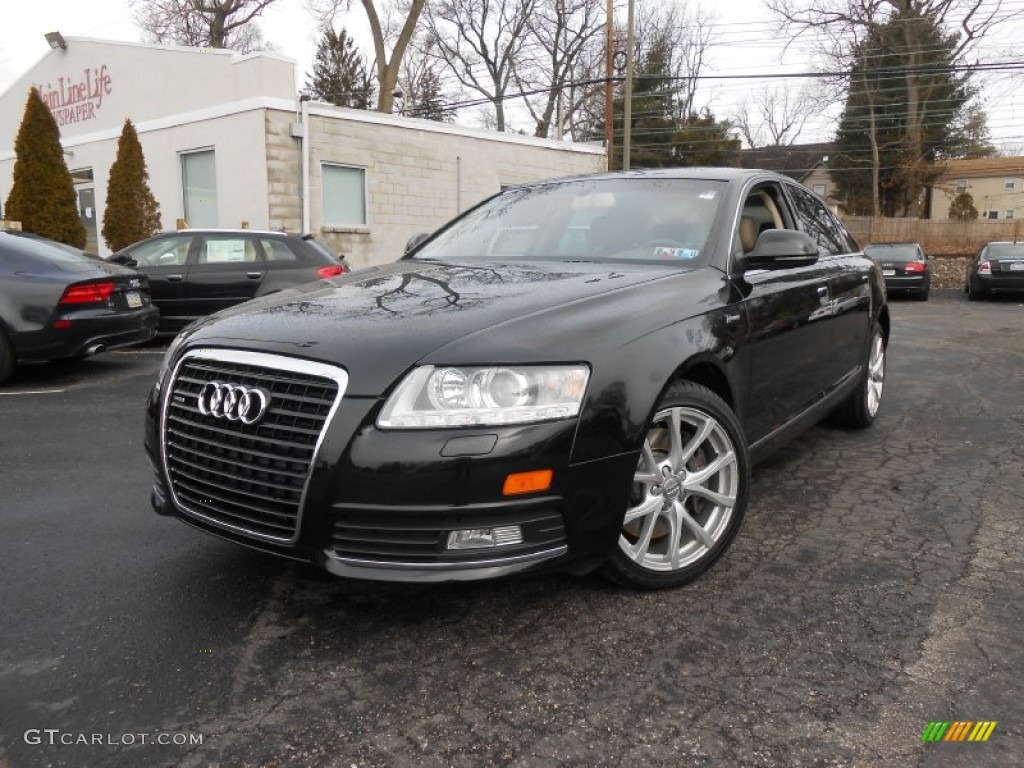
(484, 396)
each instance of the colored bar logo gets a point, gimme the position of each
(959, 730)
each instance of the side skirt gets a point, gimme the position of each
(806, 418)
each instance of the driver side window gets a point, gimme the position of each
(762, 210)
(165, 252)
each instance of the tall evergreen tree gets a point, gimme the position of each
(132, 213)
(700, 139)
(42, 194)
(898, 119)
(340, 75)
(427, 99)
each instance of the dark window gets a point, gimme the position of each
(818, 222)
(279, 250)
(165, 252)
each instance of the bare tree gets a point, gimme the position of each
(841, 27)
(560, 32)
(390, 26)
(685, 33)
(422, 85)
(202, 23)
(480, 42)
(775, 117)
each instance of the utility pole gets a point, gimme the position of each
(627, 117)
(609, 131)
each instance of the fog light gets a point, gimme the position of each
(479, 538)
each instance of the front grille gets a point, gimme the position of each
(249, 478)
(409, 536)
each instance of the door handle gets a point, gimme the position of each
(175, 278)
(254, 275)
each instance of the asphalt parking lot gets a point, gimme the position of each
(875, 587)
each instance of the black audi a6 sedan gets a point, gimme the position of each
(998, 268)
(195, 272)
(57, 302)
(905, 268)
(575, 375)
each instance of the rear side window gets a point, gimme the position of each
(819, 223)
(280, 251)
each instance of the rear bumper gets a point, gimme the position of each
(88, 330)
(1011, 282)
(913, 283)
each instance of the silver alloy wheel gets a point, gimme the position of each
(684, 491)
(876, 374)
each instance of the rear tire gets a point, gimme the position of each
(974, 295)
(6, 357)
(688, 494)
(861, 407)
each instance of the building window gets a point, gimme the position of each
(819, 189)
(199, 188)
(1009, 183)
(1008, 214)
(961, 186)
(344, 195)
(991, 215)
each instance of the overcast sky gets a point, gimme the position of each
(748, 43)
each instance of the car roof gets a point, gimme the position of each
(224, 231)
(709, 173)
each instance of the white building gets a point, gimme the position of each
(228, 144)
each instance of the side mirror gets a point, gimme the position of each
(415, 241)
(780, 249)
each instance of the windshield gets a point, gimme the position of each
(893, 252)
(664, 220)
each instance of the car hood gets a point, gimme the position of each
(378, 323)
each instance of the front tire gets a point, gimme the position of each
(688, 494)
(861, 407)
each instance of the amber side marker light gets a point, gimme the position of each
(527, 482)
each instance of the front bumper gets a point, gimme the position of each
(381, 504)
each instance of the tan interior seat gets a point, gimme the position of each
(748, 233)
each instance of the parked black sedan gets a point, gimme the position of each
(57, 302)
(195, 272)
(905, 268)
(574, 374)
(998, 268)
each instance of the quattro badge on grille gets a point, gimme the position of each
(233, 402)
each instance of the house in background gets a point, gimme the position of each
(228, 143)
(805, 163)
(995, 183)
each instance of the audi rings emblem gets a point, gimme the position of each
(233, 402)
